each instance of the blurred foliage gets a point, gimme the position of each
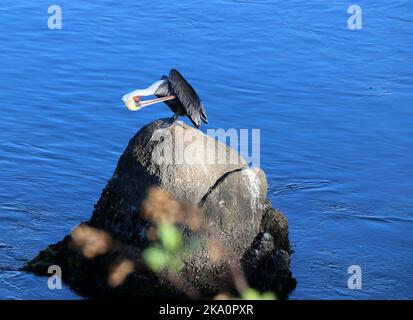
(252, 294)
(169, 251)
(170, 237)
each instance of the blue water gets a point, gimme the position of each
(334, 107)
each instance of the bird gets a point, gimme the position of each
(176, 93)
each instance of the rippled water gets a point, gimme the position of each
(333, 106)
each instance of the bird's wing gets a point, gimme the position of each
(188, 97)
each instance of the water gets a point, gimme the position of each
(333, 106)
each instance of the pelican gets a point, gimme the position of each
(176, 92)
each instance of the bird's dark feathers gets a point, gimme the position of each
(188, 97)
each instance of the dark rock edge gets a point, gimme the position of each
(88, 277)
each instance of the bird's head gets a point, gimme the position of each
(133, 100)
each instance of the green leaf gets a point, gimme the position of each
(250, 294)
(268, 296)
(170, 237)
(155, 258)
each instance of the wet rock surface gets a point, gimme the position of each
(178, 159)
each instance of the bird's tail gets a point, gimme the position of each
(203, 115)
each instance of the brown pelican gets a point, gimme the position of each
(176, 92)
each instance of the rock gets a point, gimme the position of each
(276, 224)
(237, 214)
(173, 157)
(262, 247)
(281, 260)
(192, 168)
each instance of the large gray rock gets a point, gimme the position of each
(194, 168)
(235, 207)
(178, 158)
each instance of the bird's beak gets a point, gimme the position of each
(146, 103)
(134, 103)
